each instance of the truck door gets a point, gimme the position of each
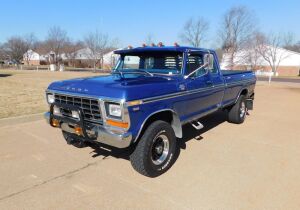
(200, 98)
(218, 84)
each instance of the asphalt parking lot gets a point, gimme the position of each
(224, 166)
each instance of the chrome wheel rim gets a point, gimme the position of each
(242, 109)
(160, 149)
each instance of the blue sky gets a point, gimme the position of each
(132, 20)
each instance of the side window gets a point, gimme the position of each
(193, 63)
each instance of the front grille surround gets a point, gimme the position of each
(90, 107)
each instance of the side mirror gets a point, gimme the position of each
(209, 61)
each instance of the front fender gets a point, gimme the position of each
(146, 111)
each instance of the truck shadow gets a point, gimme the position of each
(5, 75)
(209, 122)
(190, 133)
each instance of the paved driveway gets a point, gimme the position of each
(250, 166)
(279, 79)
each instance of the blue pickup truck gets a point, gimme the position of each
(143, 104)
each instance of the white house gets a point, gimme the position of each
(34, 58)
(85, 58)
(110, 59)
(289, 64)
(80, 58)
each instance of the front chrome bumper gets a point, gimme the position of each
(103, 134)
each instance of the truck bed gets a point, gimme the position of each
(233, 72)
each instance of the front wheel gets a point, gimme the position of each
(155, 152)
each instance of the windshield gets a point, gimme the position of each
(160, 63)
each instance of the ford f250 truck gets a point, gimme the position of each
(150, 94)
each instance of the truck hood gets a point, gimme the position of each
(114, 86)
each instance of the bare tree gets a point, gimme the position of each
(293, 47)
(71, 49)
(270, 49)
(2, 53)
(288, 39)
(56, 41)
(219, 52)
(289, 42)
(15, 47)
(97, 43)
(236, 29)
(250, 55)
(31, 42)
(194, 31)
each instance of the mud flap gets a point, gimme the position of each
(249, 103)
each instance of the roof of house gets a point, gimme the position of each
(287, 57)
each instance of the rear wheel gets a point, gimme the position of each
(237, 113)
(155, 152)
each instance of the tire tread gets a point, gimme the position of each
(137, 158)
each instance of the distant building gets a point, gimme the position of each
(37, 57)
(82, 58)
(289, 65)
(110, 59)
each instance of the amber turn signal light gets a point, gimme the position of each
(55, 123)
(117, 124)
(78, 131)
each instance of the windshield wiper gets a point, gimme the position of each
(117, 71)
(147, 72)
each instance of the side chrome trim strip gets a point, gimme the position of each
(183, 93)
(240, 82)
(188, 92)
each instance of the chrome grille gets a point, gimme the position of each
(90, 107)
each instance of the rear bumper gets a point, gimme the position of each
(101, 134)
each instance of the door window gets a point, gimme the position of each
(195, 61)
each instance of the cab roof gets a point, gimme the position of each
(160, 49)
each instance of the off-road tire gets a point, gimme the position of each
(142, 157)
(235, 114)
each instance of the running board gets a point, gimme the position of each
(197, 125)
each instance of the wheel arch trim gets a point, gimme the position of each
(176, 123)
(244, 88)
